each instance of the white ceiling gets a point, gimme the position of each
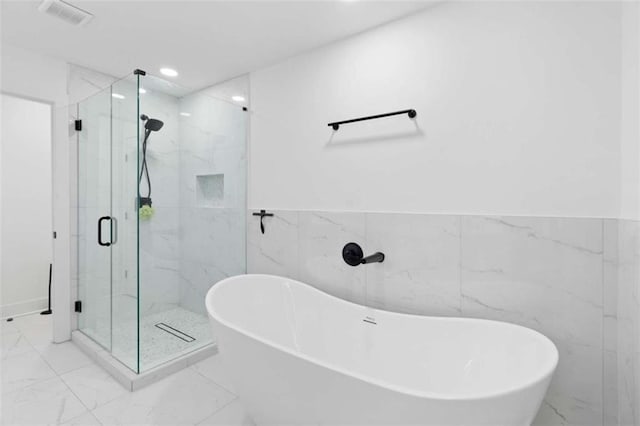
(206, 41)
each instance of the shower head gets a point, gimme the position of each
(151, 124)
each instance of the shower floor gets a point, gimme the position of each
(181, 332)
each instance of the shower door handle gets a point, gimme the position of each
(103, 218)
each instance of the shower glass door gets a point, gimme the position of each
(94, 201)
(108, 220)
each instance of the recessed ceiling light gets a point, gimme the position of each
(141, 90)
(238, 98)
(117, 95)
(185, 114)
(169, 72)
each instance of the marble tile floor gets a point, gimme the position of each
(48, 384)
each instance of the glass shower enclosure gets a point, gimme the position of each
(161, 215)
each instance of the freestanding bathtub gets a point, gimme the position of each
(298, 356)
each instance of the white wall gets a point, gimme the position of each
(39, 77)
(34, 76)
(26, 205)
(518, 114)
(630, 112)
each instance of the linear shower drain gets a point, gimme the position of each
(175, 332)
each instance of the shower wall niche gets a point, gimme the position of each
(143, 271)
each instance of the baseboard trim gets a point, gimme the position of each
(23, 308)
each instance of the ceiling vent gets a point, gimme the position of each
(65, 11)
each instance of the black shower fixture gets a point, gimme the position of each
(353, 255)
(150, 125)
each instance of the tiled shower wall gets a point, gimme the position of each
(159, 236)
(212, 199)
(573, 279)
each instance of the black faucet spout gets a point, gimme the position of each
(353, 255)
(375, 257)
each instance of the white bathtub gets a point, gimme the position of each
(298, 356)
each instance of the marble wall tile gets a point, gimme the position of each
(159, 235)
(214, 235)
(546, 274)
(159, 266)
(628, 324)
(276, 251)
(163, 149)
(575, 394)
(212, 239)
(196, 279)
(321, 237)
(610, 321)
(421, 270)
(213, 146)
(212, 248)
(159, 285)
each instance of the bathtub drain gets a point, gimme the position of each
(175, 332)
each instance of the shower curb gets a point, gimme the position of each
(125, 376)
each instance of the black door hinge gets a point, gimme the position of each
(55, 235)
(77, 306)
(78, 125)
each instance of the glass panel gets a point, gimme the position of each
(124, 265)
(194, 232)
(173, 189)
(94, 201)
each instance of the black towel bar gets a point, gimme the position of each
(410, 112)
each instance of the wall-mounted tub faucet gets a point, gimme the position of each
(353, 255)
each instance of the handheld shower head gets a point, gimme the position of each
(152, 124)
